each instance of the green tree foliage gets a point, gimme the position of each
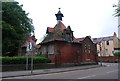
(117, 12)
(117, 54)
(16, 27)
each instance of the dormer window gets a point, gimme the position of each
(107, 42)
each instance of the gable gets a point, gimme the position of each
(60, 25)
(88, 40)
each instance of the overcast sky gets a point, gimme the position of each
(86, 17)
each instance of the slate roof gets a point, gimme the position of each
(97, 40)
(59, 12)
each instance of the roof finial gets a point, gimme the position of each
(59, 9)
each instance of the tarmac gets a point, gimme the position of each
(45, 71)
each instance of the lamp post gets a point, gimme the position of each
(100, 54)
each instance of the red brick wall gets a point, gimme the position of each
(88, 45)
(66, 50)
(73, 52)
(109, 59)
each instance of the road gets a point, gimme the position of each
(108, 72)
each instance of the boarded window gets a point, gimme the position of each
(51, 49)
(44, 50)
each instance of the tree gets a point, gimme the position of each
(16, 27)
(117, 10)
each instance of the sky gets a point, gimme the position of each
(93, 18)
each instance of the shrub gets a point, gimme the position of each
(41, 55)
(22, 60)
(117, 54)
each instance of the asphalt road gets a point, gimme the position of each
(108, 72)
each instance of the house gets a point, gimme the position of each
(107, 45)
(61, 47)
(23, 49)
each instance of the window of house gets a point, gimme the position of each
(44, 51)
(89, 51)
(51, 49)
(107, 42)
(68, 37)
(106, 51)
(85, 46)
(88, 46)
(102, 44)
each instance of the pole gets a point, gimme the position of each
(27, 61)
(32, 63)
(27, 53)
(32, 57)
(100, 55)
(100, 59)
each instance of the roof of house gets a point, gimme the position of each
(50, 29)
(52, 40)
(78, 39)
(97, 40)
(30, 40)
(59, 25)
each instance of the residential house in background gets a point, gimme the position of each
(22, 51)
(107, 45)
(61, 47)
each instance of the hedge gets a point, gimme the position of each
(22, 60)
(117, 54)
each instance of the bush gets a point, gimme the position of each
(22, 60)
(117, 54)
(41, 55)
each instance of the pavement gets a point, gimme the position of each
(45, 71)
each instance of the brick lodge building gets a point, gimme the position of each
(61, 47)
